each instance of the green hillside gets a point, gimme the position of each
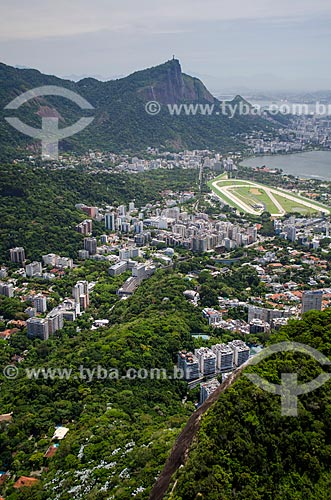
(121, 122)
(245, 449)
(38, 212)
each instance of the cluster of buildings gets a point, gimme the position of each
(69, 309)
(266, 145)
(288, 275)
(44, 327)
(140, 271)
(56, 261)
(306, 231)
(205, 361)
(304, 130)
(35, 268)
(186, 159)
(219, 163)
(263, 318)
(315, 130)
(199, 234)
(168, 227)
(85, 227)
(260, 319)
(101, 161)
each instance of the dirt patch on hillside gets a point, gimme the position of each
(180, 450)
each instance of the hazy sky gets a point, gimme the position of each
(261, 44)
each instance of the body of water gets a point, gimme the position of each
(312, 164)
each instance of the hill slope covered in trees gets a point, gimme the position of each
(39, 213)
(245, 449)
(120, 120)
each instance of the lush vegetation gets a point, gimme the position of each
(105, 415)
(129, 423)
(245, 449)
(121, 122)
(38, 205)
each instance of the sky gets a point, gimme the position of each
(244, 45)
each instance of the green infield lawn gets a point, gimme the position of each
(252, 195)
(291, 206)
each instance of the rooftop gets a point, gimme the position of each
(26, 481)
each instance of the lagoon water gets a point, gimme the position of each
(312, 164)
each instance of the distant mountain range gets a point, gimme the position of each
(121, 122)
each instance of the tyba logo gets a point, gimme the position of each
(50, 134)
(289, 389)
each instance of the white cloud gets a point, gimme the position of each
(47, 18)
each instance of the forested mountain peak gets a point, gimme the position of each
(121, 118)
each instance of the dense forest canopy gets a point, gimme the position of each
(246, 449)
(38, 205)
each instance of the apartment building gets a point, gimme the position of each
(38, 327)
(224, 357)
(212, 315)
(240, 352)
(207, 388)
(7, 289)
(90, 244)
(207, 360)
(85, 227)
(189, 363)
(33, 269)
(312, 300)
(40, 303)
(17, 255)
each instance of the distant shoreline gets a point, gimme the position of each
(315, 168)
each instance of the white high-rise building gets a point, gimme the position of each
(312, 300)
(80, 293)
(189, 363)
(17, 255)
(240, 351)
(55, 321)
(224, 356)
(138, 227)
(64, 262)
(122, 210)
(40, 303)
(83, 254)
(207, 360)
(33, 269)
(7, 289)
(110, 221)
(292, 233)
(50, 259)
(129, 253)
